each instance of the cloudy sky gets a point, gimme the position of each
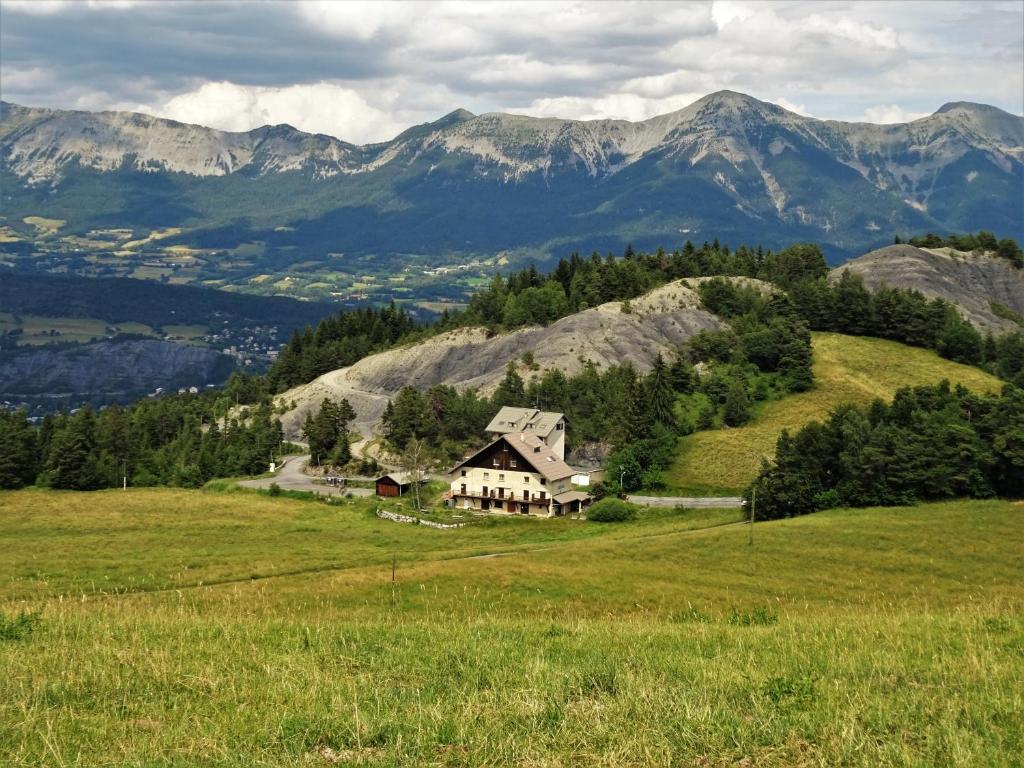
(365, 71)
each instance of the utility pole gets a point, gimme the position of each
(753, 505)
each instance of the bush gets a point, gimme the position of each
(609, 510)
(275, 489)
(18, 627)
(762, 616)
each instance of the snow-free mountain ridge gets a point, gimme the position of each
(727, 165)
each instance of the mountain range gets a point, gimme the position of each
(727, 166)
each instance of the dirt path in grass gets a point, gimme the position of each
(332, 568)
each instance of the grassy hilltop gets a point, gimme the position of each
(847, 369)
(206, 628)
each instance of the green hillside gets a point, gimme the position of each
(847, 369)
(862, 638)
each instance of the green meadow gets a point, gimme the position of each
(184, 628)
(847, 369)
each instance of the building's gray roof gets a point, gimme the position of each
(570, 496)
(534, 451)
(401, 478)
(512, 419)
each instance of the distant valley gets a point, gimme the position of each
(66, 341)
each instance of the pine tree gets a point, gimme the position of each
(511, 390)
(660, 395)
(73, 461)
(19, 458)
(737, 404)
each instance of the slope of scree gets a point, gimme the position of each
(467, 358)
(971, 281)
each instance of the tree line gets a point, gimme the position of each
(177, 440)
(1006, 248)
(930, 443)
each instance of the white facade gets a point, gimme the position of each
(493, 490)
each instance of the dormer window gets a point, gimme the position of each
(513, 463)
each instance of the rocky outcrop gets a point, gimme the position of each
(108, 370)
(607, 335)
(970, 281)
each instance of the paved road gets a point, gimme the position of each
(690, 502)
(290, 477)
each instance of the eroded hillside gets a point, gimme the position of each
(971, 281)
(610, 334)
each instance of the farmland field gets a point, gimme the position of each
(214, 628)
(847, 369)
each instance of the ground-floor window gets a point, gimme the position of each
(524, 509)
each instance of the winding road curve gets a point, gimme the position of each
(291, 477)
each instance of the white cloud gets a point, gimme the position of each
(725, 11)
(46, 7)
(889, 113)
(317, 108)
(616, 106)
(785, 103)
(359, 19)
(363, 71)
(35, 7)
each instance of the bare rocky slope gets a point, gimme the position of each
(100, 372)
(971, 281)
(607, 335)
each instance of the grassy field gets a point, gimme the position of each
(852, 369)
(43, 225)
(201, 628)
(38, 330)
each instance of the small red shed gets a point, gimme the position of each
(393, 484)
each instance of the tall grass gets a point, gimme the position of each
(863, 638)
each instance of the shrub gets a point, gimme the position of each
(762, 616)
(275, 489)
(609, 510)
(778, 689)
(18, 627)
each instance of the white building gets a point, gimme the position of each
(519, 473)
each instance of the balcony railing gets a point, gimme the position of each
(493, 494)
